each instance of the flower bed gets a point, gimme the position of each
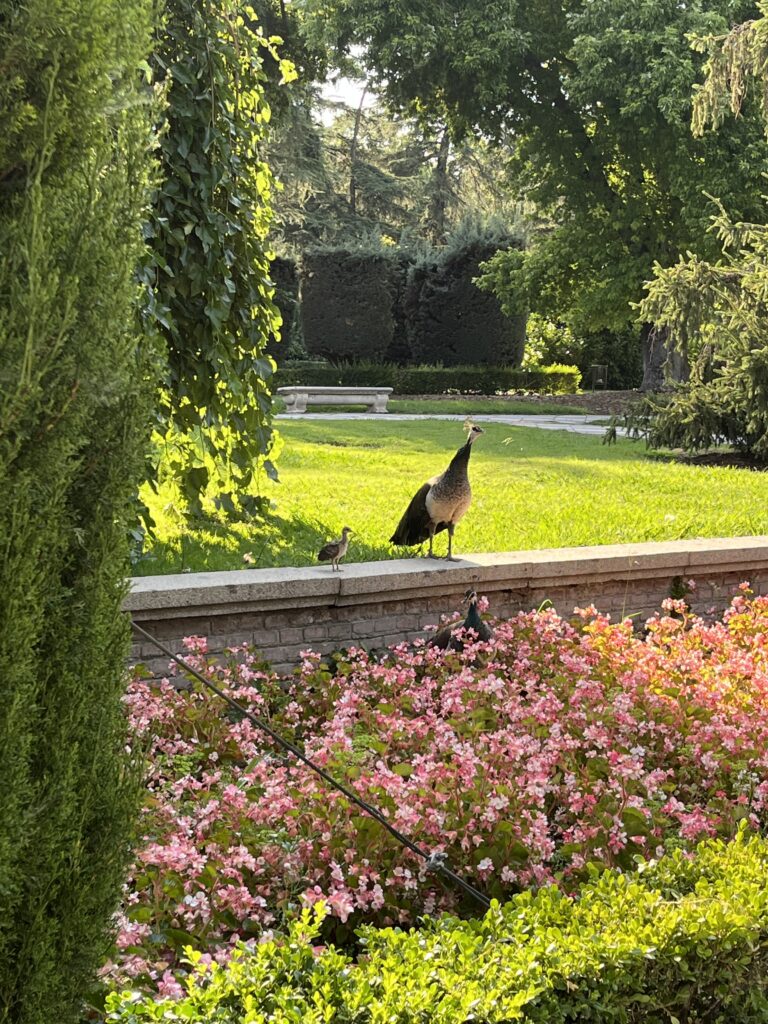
(684, 940)
(557, 750)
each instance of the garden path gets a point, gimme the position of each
(581, 424)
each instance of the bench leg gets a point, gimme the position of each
(300, 405)
(379, 405)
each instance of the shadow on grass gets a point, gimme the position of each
(212, 546)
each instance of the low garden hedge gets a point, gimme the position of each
(682, 940)
(433, 380)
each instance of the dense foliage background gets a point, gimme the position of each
(588, 108)
(715, 310)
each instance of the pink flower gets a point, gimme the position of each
(196, 644)
(169, 988)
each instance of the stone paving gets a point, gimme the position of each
(573, 424)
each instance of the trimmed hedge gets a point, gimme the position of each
(680, 940)
(434, 380)
(285, 276)
(348, 303)
(450, 320)
(486, 380)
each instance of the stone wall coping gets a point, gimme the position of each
(367, 582)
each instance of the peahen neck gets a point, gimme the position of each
(473, 620)
(459, 461)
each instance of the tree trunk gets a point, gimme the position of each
(663, 365)
(439, 201)
(353, 153)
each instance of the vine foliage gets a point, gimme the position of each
(208, 278)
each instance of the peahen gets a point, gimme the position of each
(440, 503)
(446, 637)
(335, 550)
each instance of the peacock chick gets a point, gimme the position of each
(335, 550)
(440, 503)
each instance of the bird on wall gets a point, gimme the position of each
(335, 550)
(440, 503)
(445, 637)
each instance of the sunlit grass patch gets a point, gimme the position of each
(542, 489)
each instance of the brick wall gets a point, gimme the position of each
(283, 611)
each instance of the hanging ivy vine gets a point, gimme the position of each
(208, 280)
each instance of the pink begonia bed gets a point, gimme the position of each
(557, 749)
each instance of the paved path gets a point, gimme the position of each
(572, 424)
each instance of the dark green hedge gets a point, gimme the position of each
(450, 320)
(434, 380)
(285, 275)
(681, 941)
(348, 304)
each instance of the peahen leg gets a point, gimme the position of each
(430, 553)
(449, 557)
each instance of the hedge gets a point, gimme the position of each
(448, 318)
(285, 276)
(680, 940)
(77, 135)
(348, 303)
(434, 380)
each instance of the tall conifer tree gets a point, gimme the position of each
(75, 168)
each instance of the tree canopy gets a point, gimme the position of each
(716, 311)
(593, 102)
(354, 174)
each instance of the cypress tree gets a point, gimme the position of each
(75, 169)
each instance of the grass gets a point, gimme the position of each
(543, 489)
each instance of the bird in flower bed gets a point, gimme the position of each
(335, 550)
(451, 636)
(440, 503)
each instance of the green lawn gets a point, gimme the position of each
(543, 489)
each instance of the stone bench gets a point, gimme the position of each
(297, 398)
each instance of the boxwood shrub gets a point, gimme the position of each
(434, 380)
(682, 940)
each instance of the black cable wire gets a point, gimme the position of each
(436, 861)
